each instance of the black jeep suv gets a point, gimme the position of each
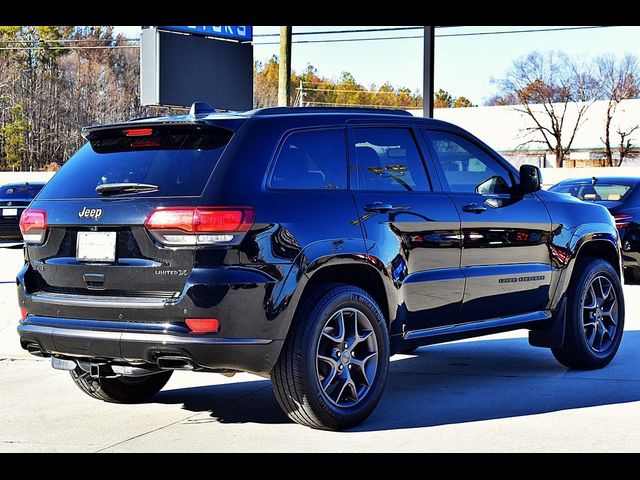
(304, 244)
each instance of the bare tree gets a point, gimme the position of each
(626, 144)
(555, 91)
(619, 80)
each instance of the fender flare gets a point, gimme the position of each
(313, 259)
(552, 334)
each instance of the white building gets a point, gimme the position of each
(504, 129)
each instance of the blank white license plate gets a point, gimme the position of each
(9, 212)
(96, 247)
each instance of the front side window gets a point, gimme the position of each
(312, 160)
(387, 159)
(467, 168)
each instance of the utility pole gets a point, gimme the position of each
(284, 72)
(427, 79)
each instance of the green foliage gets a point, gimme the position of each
(13, 136)
(463, 102)
(311, 89)
(48, 90)
(442, 99)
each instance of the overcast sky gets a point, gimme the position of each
(464, 64)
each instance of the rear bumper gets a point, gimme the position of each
(137, 341)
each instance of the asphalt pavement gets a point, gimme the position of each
(490, 394)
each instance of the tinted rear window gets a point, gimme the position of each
(611, 192)
(178, 160)
(20, 191)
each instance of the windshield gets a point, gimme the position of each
(20, 191)
(179, 161)
(612, 192)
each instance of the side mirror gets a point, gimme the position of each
(530, 179)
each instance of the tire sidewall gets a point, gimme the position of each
(576, 300)
(345, 416)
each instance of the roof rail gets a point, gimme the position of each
(264, 112)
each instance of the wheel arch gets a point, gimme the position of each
(358, 272)
(601, 248)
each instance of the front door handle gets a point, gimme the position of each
(473, 208)
(379, 207)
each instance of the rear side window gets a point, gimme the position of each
(388, 160)
(179, 161)
(312, 160)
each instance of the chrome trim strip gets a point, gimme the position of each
(98, 301)
(481, 325)
(160, 338)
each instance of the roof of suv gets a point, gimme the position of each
(202, 114)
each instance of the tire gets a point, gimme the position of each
(314, 355)
(120, 389)
(594, 317)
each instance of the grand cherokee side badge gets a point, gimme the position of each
(94, 213)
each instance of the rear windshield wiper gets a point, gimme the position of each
(124, 188)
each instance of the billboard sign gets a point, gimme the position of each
(177, 70)
(243, 34)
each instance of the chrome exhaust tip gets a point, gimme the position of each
(175, 363)
(34, 349)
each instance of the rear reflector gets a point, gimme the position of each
(203, 325)
(138, 132)
(199, 225)
(33, 225)
(23, 313)
(622, 220)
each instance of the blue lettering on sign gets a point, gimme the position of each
(235, 33)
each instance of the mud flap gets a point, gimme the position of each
(553, 335)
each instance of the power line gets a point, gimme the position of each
(330, 90)
(532, 30)
(468, 34)
(330, 32)
(72, 40)
(343, 104)
(95, 47)
(325, 32)
(332, 40)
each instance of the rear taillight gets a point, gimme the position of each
(33, 225)
(622, 220)
(187, 226)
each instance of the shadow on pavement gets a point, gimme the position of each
(448, 384)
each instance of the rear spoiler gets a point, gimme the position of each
(231, 124)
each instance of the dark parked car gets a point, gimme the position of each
(14, 198)
(621, 196)
(308, 245)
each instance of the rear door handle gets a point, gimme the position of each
(378, 207)
(473, 208)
